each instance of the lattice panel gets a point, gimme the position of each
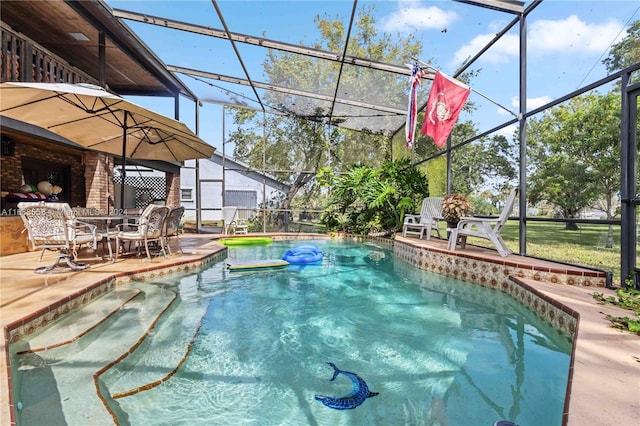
(148, 188)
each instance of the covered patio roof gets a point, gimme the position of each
(88, 36)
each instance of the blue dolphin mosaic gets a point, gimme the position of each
(352, 400)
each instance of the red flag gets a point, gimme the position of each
(446, 99)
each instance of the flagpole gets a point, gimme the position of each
(491, 100)
(425, 65)
(413, 152)
(412, 112)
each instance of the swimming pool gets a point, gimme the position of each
(220, 347)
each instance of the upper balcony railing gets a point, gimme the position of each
(24, 60)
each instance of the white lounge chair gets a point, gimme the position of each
(427, 220)
(229, 216)
(487, 228)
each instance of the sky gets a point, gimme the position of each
(566, 42)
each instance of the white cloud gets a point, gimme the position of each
(506, 47)
(412, 16)
(547, 36)
(532, 103)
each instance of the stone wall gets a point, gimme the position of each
(12, 239)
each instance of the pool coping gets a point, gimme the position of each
(526, 284)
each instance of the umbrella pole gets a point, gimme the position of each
(124, 160)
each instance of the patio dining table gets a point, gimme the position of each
(103, 223)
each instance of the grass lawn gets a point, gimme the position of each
(552, 241)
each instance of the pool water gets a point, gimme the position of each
(220, 348)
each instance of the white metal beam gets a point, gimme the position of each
(275, 88)
(509, 6)
(262, 42)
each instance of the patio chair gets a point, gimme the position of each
(53, 226)
(149, 229)
(102, 227)
(229, 214)
(426, 221)
(487, 228)
(172, 227)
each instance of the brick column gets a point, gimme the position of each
(98, 174)
(173, 189)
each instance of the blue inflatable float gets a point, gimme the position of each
(303, 254)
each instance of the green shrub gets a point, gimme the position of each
(367, 200)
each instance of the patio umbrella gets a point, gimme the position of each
(92, 117)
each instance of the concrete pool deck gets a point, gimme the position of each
(605, 384)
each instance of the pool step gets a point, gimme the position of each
(160, 356)
(72, 366)
(81, 321)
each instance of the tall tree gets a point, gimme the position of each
(575, 150)
(489, 162)
(482, 164)
(304, 144)
(626, 52)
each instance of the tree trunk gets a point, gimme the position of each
(570, 214)
(571, 226)
(301, 180)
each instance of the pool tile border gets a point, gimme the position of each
(507, 276)
(492, 272)
(511, 280)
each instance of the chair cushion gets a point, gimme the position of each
(134, 235)
(130, 235)
(53, 239)
(83, 238)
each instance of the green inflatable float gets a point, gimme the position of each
(245, 241)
